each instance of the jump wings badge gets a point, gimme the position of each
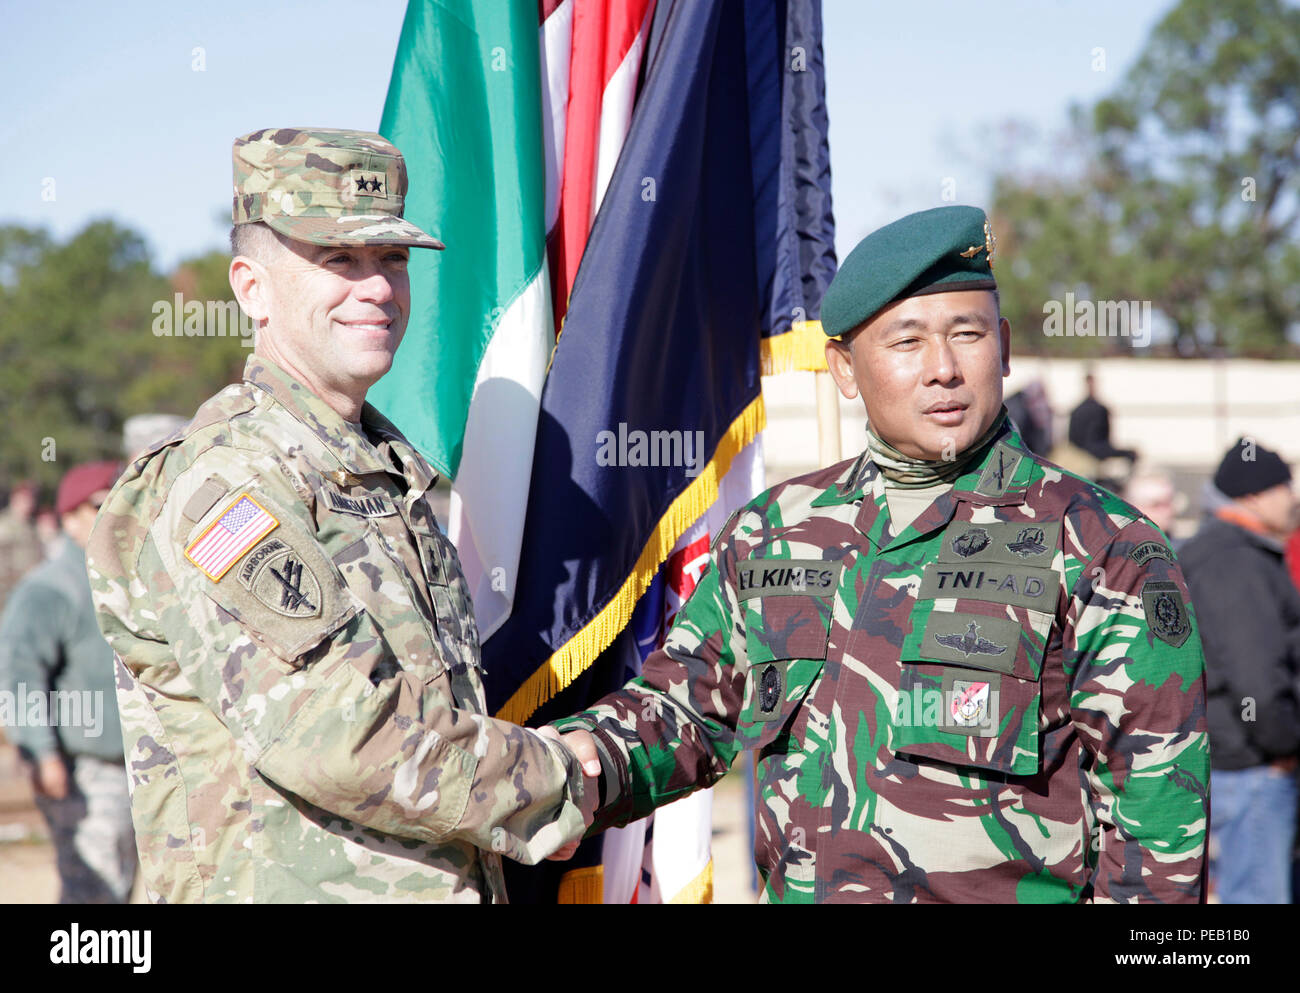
(970, 643)
(1028, 542)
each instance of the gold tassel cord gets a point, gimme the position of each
(576, 654)
(802, 348)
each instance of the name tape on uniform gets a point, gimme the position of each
(787, 577)
(371, 505)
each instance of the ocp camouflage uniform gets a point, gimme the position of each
(306, 722)
(1005, 702)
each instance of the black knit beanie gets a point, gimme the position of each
(1240, 474)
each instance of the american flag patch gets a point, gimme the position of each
(241, 526)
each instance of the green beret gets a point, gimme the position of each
(942, 250)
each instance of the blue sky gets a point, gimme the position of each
(104, 98)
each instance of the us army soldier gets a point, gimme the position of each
(297, 658)
(969, 675)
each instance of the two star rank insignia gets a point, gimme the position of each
(369, 183)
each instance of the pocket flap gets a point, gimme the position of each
(786, 639)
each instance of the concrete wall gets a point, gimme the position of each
(1180, 414)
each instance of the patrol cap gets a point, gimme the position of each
(325, 186)
(942, 250)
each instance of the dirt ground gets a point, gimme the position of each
(28, 875)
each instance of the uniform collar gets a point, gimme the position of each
(351, 449)
(1000, 477)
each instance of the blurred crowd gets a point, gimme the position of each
(1242, 564)
(58, 700)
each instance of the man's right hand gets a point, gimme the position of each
(50, 777)
(583, 747)
(581, 744)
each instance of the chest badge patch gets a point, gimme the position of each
(1165, 611)
(969, 703)
(1028, 542)
(970, 643)
(970, 542)
(769, 690)
(240, 526)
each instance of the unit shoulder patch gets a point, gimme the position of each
(1148, 550)
(279, 578)
(1166, 612)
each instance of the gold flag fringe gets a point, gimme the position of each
(699, 889)
(586, 885)
(576, 654)
(802, 348)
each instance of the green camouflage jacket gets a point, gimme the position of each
(298, 668)
(1005, 702)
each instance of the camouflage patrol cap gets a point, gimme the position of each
(942, 250)
(325, 186)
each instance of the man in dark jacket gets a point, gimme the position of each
(1249, 611)
(1090, 426)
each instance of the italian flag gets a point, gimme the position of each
(511, 115)
(463, 108)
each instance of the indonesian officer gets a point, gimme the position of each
(969, 675)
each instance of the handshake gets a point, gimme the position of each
(583, 747)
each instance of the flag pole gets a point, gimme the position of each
(828, 419)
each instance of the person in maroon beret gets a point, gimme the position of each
(58, 704)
